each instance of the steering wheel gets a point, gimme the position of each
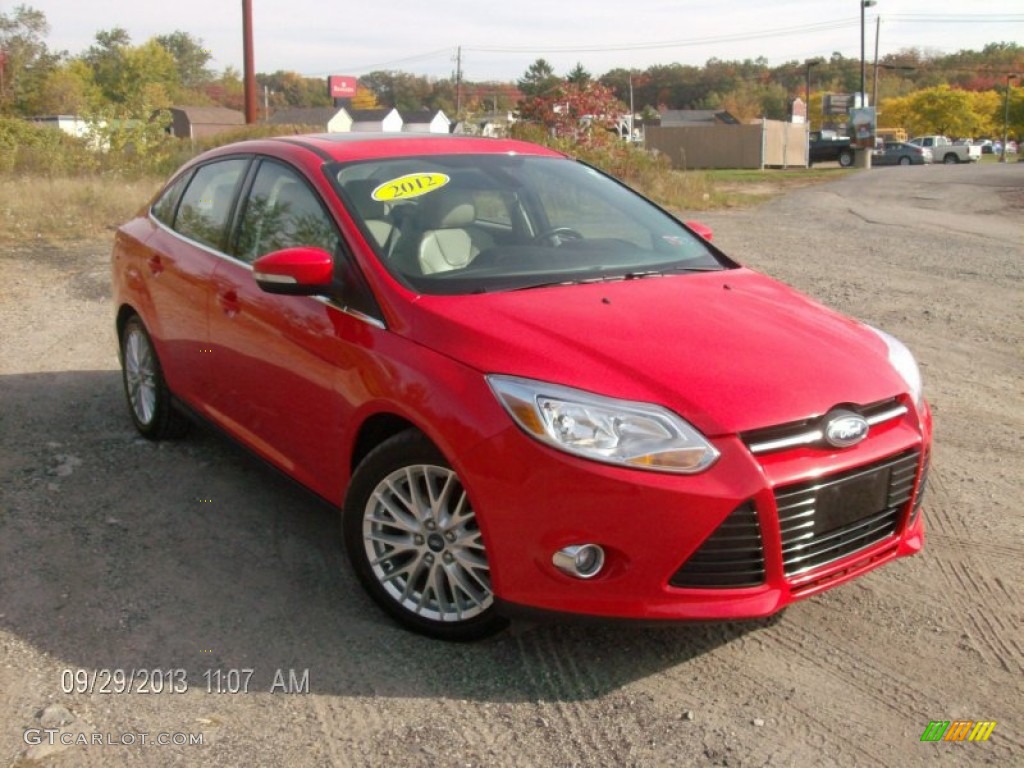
(556, 235)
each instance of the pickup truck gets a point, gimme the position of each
(825, 146)
(945, 151)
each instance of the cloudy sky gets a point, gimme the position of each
(500, 39)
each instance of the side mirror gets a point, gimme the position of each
(299, 271)
(701, 229)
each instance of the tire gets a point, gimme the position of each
(904, 161)
(846, 159)
(145, 390)
(413, 540)
(950, 159)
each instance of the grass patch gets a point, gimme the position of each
(56, 209)
(781, 176)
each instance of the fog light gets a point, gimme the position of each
(584, 561)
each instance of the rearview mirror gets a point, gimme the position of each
(302, 271)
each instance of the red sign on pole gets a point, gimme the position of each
(341, 86)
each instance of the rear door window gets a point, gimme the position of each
(208, 201)
(167, 203)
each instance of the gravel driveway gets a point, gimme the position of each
(193, 560)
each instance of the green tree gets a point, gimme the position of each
(191, 57)
(405, 92)
(538, 80)
(578, 75)
(26, 61)
(105, 57)
(148, 76)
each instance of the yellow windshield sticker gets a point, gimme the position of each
(410, 185)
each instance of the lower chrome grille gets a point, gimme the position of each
(732, 556)
(919, 496)
(826, 519)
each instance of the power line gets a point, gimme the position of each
(822, 26)
(732, 38)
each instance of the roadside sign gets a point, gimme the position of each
(341, 86)
(863, 121)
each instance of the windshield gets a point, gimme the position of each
(473, 223)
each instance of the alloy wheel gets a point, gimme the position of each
(424, 546)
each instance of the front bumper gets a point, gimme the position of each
(532, 501)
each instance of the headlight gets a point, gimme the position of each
(639, 435)
(903, 361)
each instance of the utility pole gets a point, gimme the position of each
(874, 77)
(632, 111)
(458, 82)
(250, 68)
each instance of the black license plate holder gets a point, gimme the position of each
(850, 499)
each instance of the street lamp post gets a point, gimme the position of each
(865, 154)
(807, 85)
(864, 4)
(1006, 115)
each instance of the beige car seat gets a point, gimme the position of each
(449, 240)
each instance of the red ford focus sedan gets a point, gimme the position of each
(523, 385)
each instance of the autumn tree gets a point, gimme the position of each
(68, 89)
(364, 99)
(227, 90)
(943, 110)
(574, 110)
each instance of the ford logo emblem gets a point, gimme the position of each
(845, 428)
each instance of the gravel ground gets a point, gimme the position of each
(189, 555)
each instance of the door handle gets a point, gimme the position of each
(229, 303)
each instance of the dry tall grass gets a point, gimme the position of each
(39, 208)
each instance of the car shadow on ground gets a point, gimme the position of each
(116, 552)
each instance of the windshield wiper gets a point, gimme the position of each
(635, 275)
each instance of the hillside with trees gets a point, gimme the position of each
(960, 94)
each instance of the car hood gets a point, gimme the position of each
(729, 351)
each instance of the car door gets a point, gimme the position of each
(283, 361)
(180, 257)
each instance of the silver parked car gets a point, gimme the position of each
(899, 153)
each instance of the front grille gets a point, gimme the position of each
(732, 556)
(826, 519)
(810, 431)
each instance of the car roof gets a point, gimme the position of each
(366, 146)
